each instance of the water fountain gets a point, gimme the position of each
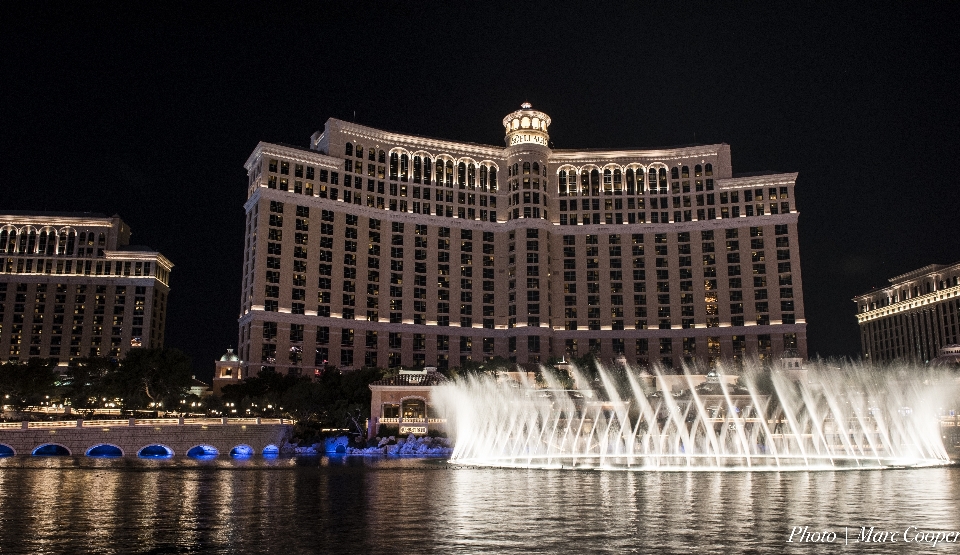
(833, 417)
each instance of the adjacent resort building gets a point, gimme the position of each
(914, 318)
(71, 286)
(375, 248)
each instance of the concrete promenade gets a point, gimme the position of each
(130, 436)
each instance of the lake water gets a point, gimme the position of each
(369, 505)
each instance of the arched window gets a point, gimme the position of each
(493, 179)
(461, 174)
(697, 170)
(607, 182)
(45, 242)
(8, 240)
(675, 173)
(526, 168)
(708, 169)
(595, 182)
(663, 181)
(359, 151)
(439, 172)
(22, 247)
(685, 172)
(639, 181)
(516, 169)
(66, 242)
(417, 169)
(82, 241)
(404, 167)
(348, 149)
(449, 173)
(631, 184)
(584, 183)
(372, 155)
(483, 178)
(562, 183)
(382, 158)
(617, 182)
(536, 167)
(394, 165)
(471, 176)
(427, 169)
(28, 240)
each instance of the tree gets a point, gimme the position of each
(24, 384)
(303, 401)
(159, 376)
(89, 380)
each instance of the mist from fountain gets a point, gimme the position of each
(851, 416)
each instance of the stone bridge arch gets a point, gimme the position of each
(78, 437)
(51, 449)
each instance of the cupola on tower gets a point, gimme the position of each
(527, 153)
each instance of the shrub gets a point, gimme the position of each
(387, 431)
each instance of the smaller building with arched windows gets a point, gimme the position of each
(72, 286)
(403, 404)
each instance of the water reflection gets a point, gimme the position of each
(354, 504)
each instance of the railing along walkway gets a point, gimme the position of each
(26, 425)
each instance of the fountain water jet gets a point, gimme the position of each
(847, 417)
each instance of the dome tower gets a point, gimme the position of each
(527, 153)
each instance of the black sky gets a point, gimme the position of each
(151, 115)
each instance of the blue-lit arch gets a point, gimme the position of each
(155, 451)
(203, 451)
(104, 450)
(51, 450)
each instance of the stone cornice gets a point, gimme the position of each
(651, 155)
(40, 221)
(931, 271)
(359, 325)
(414, 141)
(295, 154)
(139, 255)
(920, 302)
(520, 223)
(717, 223)
(748, 182)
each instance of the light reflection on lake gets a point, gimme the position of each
(368, 505)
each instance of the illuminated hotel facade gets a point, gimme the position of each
(914, 317)
(72, 286)
(373, 248)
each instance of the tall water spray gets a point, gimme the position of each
(841, 417)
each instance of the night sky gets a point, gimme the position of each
(151, 115)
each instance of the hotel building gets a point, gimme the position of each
(72, 286)
(374, 248)
(914, 317)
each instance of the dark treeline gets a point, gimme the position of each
(145, 378)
